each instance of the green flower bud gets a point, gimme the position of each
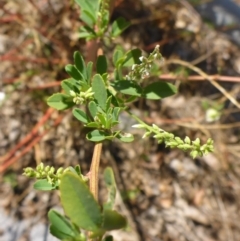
(187, 140)
(50, 180)
(82, 237)
(196, 142)
(43, 173)
(148, 133)
(72, 93)
(60, 171)
(29, 172)
(38, 175)
(40, 167)
(179, 140)
(194, 154)
(47, 168)
(51, 171)
(138, 126)
(155, 127)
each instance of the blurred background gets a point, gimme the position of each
(165, 194)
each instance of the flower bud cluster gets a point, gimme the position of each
(45, 172)
(82, 97)
(172, 141)
(103, 12)
(142, 71)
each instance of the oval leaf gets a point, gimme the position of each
(132, 57)
(117, 55)
(80, 64)
(79, 203)
(60, 226)
(89, 71)
(108, 238)
(111, 186)
(97, 136)
(60, 101)
(128, 87)
(43, 185)
(92, 108)
(92, 125)
(119, 26)
(70, 84)
(73, 72)
(159, 90)
(101, 64)
(92, 8)
(99, 90)
(81, 115)
(113, 220)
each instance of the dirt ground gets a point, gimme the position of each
(165, 194)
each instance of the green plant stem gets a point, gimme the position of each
(138, 120)
(95, 169)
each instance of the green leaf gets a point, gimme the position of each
(78, 170)
(105, 77)
(119, 26)
(127, 87)
(70, 84)
(73, 72)
(80, 115)
(59, 234)
(97, 136)
(72, 169)
(132, 57)
(99, 89)
(43, 185)
(125, 137)
(60, 101)
(116, 112)
(101, 64)
(104, 20)
(78, 203)
(60, 226)
(112, 92)
(92, 106)
(86, 32)
(80, 64)
(108, 238)
(92, 125)
(102, 119)
(109, 122)
(88, 18)
(159, 90)
(93, 5)
(111, 186)
(113, 220)
(91, 8)
(89, 71)
(108, 103)
(117, 55)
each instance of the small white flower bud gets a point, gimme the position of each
(134, 66)
(138, 126)
(2, 96)
(72, 93)
(155, 127)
